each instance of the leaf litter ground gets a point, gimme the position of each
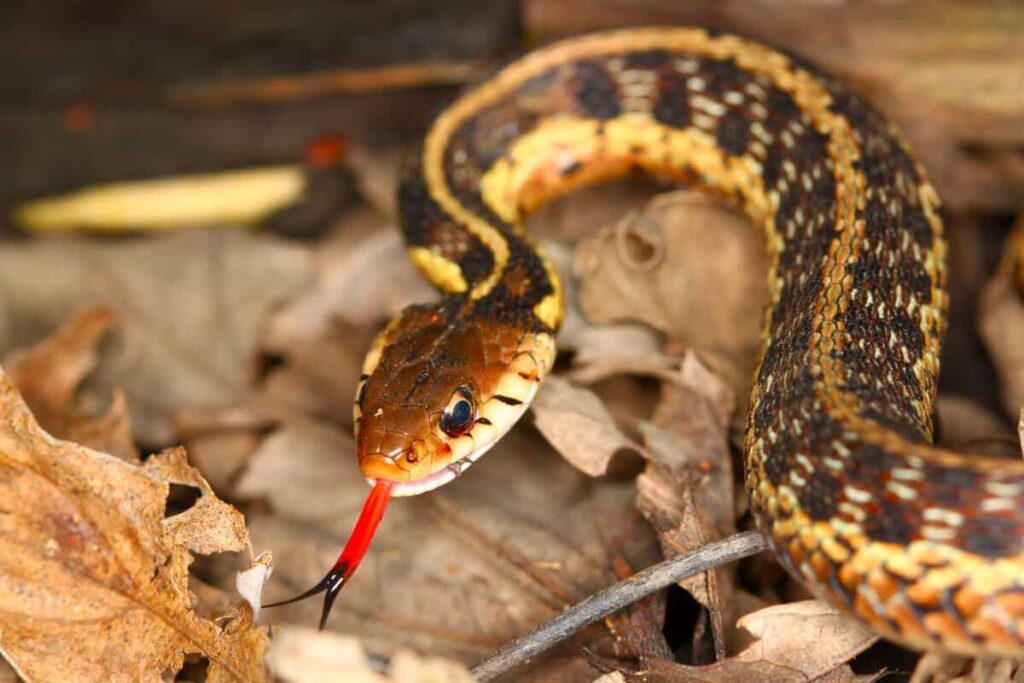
(256, 376)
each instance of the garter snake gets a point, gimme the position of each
(924, 544)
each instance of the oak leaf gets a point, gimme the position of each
(93, 577)
(50, 374)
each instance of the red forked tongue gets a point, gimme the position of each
(352, 555)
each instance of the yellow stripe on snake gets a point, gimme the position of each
(924, 544)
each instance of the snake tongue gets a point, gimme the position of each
(352, 555)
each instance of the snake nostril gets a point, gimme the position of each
(415, 452)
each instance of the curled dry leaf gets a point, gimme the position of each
(193, 306)
(1001, 323)
(686, 491)
(456, 573)
(303, 654)
(576, 423)
(799, 641)
(657, 267)
(49, 376)
(93, 578)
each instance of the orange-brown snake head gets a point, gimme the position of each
(437, 392)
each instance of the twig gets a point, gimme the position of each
(306, 86)
(615, 597)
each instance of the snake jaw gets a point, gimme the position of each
(437, 479)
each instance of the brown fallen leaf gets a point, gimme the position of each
(455, 573)
(221, 455)
(966, 426)
(576, 423)
(657, 266)
(624, 348)
(686, 491)
(193, 306)
(362, 275)
(1001, 324)
(50, 374)
(800, 641)
(210, 525)
(304, 654)
(601, 350)
(940, 667)
(93, 578)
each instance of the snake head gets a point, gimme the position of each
(435, 395)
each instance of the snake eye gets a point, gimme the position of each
(460, 413)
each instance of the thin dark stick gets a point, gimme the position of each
(615, 597)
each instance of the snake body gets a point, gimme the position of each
(924, 544)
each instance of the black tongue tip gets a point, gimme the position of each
(331, 584)
(337, 581)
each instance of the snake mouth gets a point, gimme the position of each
(436, 479)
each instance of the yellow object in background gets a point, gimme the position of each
(244, 196)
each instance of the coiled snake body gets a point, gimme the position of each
(925, 544)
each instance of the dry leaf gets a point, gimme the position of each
(576, 423)
(657, 266)
(966, 426)
(606, 350)
(363, 276)
(249, 583)
(1001, 324)
(193, 305)
(220, 456)
(210, 525)
(304, 654)
(800, 641)
(686, 492)
(50, 374)
(93, 578)
(940, 667)
(458, 572)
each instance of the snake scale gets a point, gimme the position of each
(924, 544)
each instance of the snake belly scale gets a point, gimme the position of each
(924, 544)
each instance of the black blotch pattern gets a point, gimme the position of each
(596, 93)
(733, 132)
(672, 107)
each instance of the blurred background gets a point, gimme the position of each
(111, 90)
